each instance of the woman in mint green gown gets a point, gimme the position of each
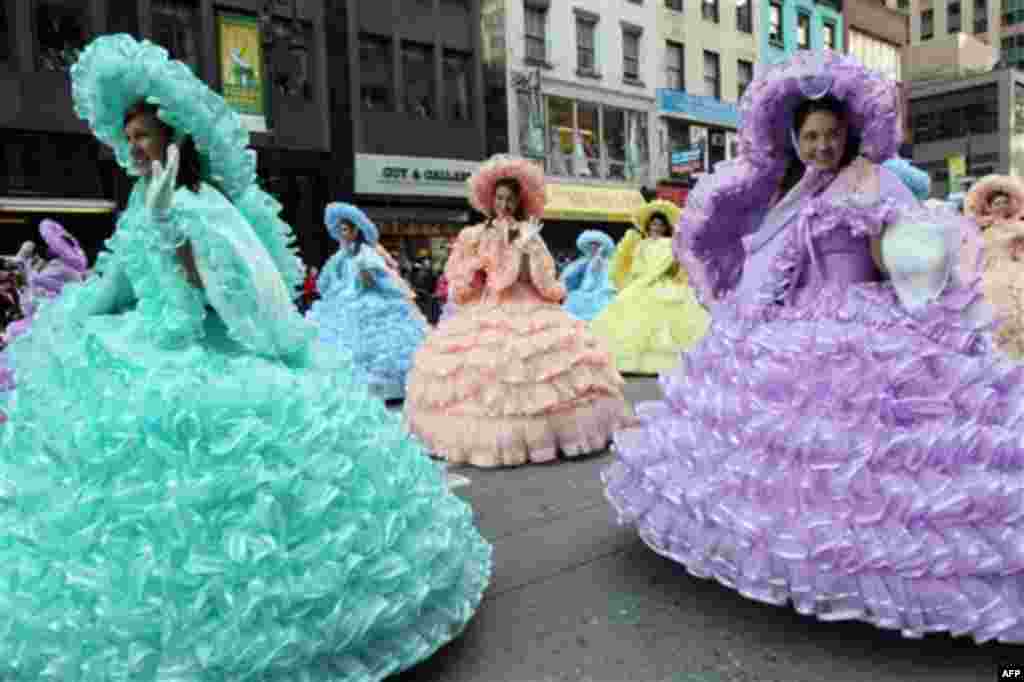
(191, 487)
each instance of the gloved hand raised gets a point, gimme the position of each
(162, 183)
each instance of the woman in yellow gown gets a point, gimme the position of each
(656, 314)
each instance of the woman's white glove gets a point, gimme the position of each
(533, 228)
(918, 257)
(162, 183)
(160, 194)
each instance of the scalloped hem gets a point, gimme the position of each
(490, 442)
(986, 608)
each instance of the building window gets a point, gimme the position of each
(953, 17)
(457, 78)
(536, 34)
(712, 75)
(775, 24)
(903, 5)
(61, 32)
(744, 17)
(676, 5)
(418, 78)
(630, 54)
(376, 73)
(876, 54)
(981, 16)
(709, 10)
(744, 75)
(803, 31)
(971, 111)
(828, 35)
(586, 27)
(675, 66)
(589, 140)
(927, 20)
(175, 27)
(5, 35)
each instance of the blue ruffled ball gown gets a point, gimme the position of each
(193, 488)
(589, 288)
(377, 324)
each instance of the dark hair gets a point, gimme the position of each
(664, 219)
(795, 167)
(189, 174)
(359, 240)
(512, 184)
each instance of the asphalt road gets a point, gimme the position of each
(576, 598)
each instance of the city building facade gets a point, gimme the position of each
(52, 167)
(416, 116)
(572, 85)
(968, 127)
(708, 57)
(790, 25)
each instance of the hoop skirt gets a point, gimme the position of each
(656, 315)
(378, 325)
(840, 453)
(194, 489)
(511, 377)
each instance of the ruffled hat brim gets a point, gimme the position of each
(595, 237)
(978, 201)
(767, 107)
(526, 173)
(642, 216)
(114, 72)
(337, 212)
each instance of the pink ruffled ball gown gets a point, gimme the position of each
(511, 377)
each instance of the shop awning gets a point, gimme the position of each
(41, 205)
(588, 203)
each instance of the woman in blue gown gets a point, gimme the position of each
(586, 278)
(191, 487)
(364, 307)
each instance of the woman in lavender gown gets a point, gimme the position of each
(845, 438)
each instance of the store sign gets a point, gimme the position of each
(580, 202)
(412, 175)
(687, 161)
(698, 108)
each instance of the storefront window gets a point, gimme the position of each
(615, 143)
(175, 27)
(376, 73)
(418, 76)
(457, 77)
(61, 31)
(587, 151)
(560, 136)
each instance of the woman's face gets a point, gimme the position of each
(148, 140)
(822, 140)
(1001, 206)
(348, 233)
(658, 227)
(506, 201)
(592, 249)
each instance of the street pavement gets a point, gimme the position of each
(576, 598)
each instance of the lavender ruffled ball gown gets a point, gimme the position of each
(823, 445)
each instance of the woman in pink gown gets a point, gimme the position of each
(996, 202)
(511, 377)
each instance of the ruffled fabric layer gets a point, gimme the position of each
(1002, 280)
(505, 384)
(647, 327)
(201, 513)
(844, 457)
(586, 304)
(381, 333)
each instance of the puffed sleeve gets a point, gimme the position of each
(621, 269)
(464, 262)
(543, 272)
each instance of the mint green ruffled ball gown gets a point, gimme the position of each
(192, 488)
